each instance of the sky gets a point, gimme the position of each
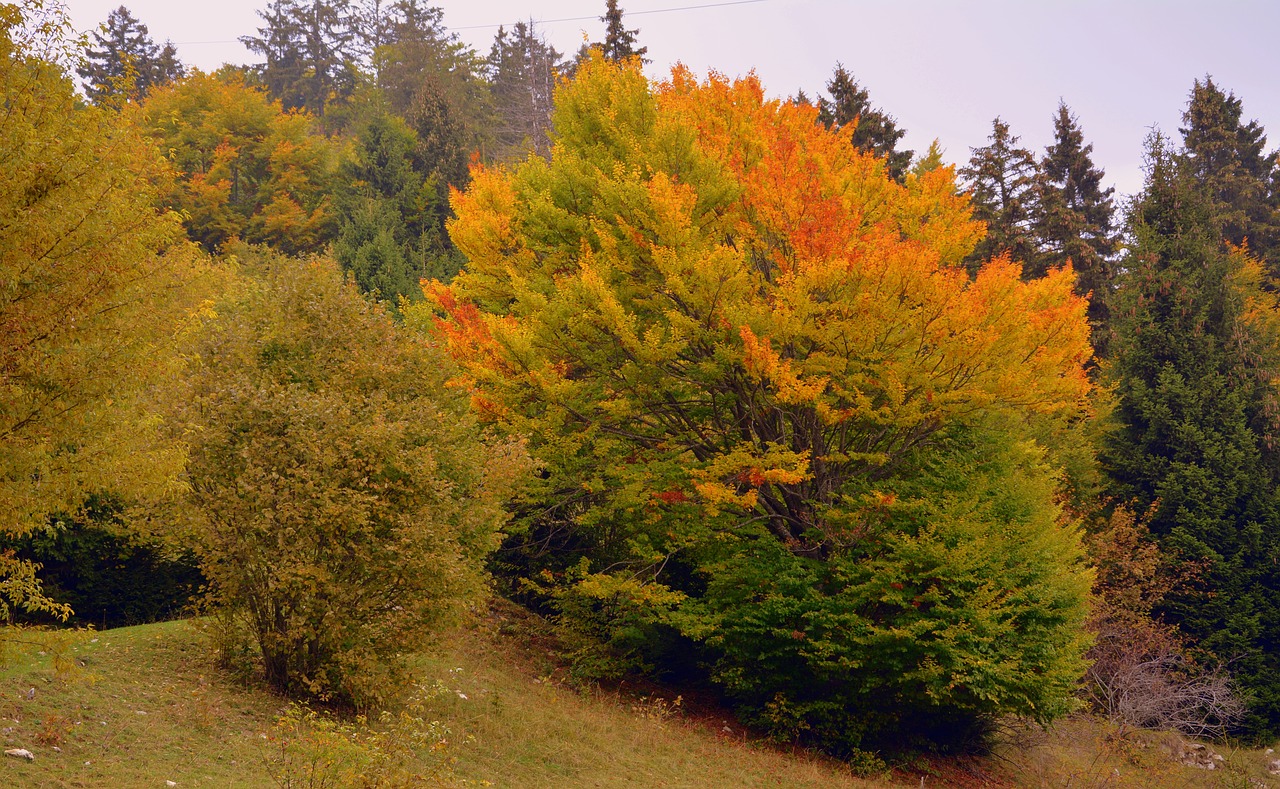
(943, 68)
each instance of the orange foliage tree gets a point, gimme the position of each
(248, 169)
(736, 343)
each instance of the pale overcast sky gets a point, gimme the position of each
(943, 68)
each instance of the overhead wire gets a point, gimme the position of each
(549, 21)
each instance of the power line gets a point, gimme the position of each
(627, 14)
(546, 21)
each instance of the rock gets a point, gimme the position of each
(21, 753)
(170, 783)
(30, 694)
(1217, 757)
(1273, 767)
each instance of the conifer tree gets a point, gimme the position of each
(1196, 359)
(125, 57)
(522, 77)
(1075, 218)
(1227, 157)
(309, 51)
(876, 132)
(619, 43)
(1003, 178)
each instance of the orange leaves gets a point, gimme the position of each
(735, 289)
(764, 364)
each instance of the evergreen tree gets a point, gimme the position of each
(310, 52)
(125, 58)
(1227, 157)
(876, 132)
(522, 76)
(1196, 353)
(1076, 215)
(391, 226)
(619, 43)
(1003, 178)
(435, 81)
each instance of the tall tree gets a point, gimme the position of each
(1226, 155)
(875, 131)
(1003, 179)
(522, 69)
(94, 281)
(309, 52)
(1196, 361)
(435, 82)
(619, 43)
(1075, 220)
(759, 381)
(247, 169)
(124, 60)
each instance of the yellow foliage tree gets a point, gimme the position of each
(756, 370)
(94, 280)
(248, 169)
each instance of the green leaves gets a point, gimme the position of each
(742, 354)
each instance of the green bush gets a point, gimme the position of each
(341, 498)
(108, 576)
(965, 601)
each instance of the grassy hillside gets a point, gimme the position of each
(148, 706)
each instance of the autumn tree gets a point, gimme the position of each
(874, 131)
(341, 498)
(1075, 218)
(248, 170)
(1003, 178)
(775, 414)
(124, 59)
(1196, 354)
(94, 279)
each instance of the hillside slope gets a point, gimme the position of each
(148, 706)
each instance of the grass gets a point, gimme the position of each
(148, 706)
(145, 707)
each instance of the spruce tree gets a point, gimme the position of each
(1226, 156)
(1003, 178)
(309, 52)
(619, 43)
(1196, 356)
(522, 70)
(876, 132)
(1076, 216)
(125, 59)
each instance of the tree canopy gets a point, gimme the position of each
(124, 60)
(94, 281)
(731, 338)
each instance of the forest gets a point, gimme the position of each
(733, 392)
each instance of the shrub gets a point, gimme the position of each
(1140, 672)
(108, 575)
(342, 498)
